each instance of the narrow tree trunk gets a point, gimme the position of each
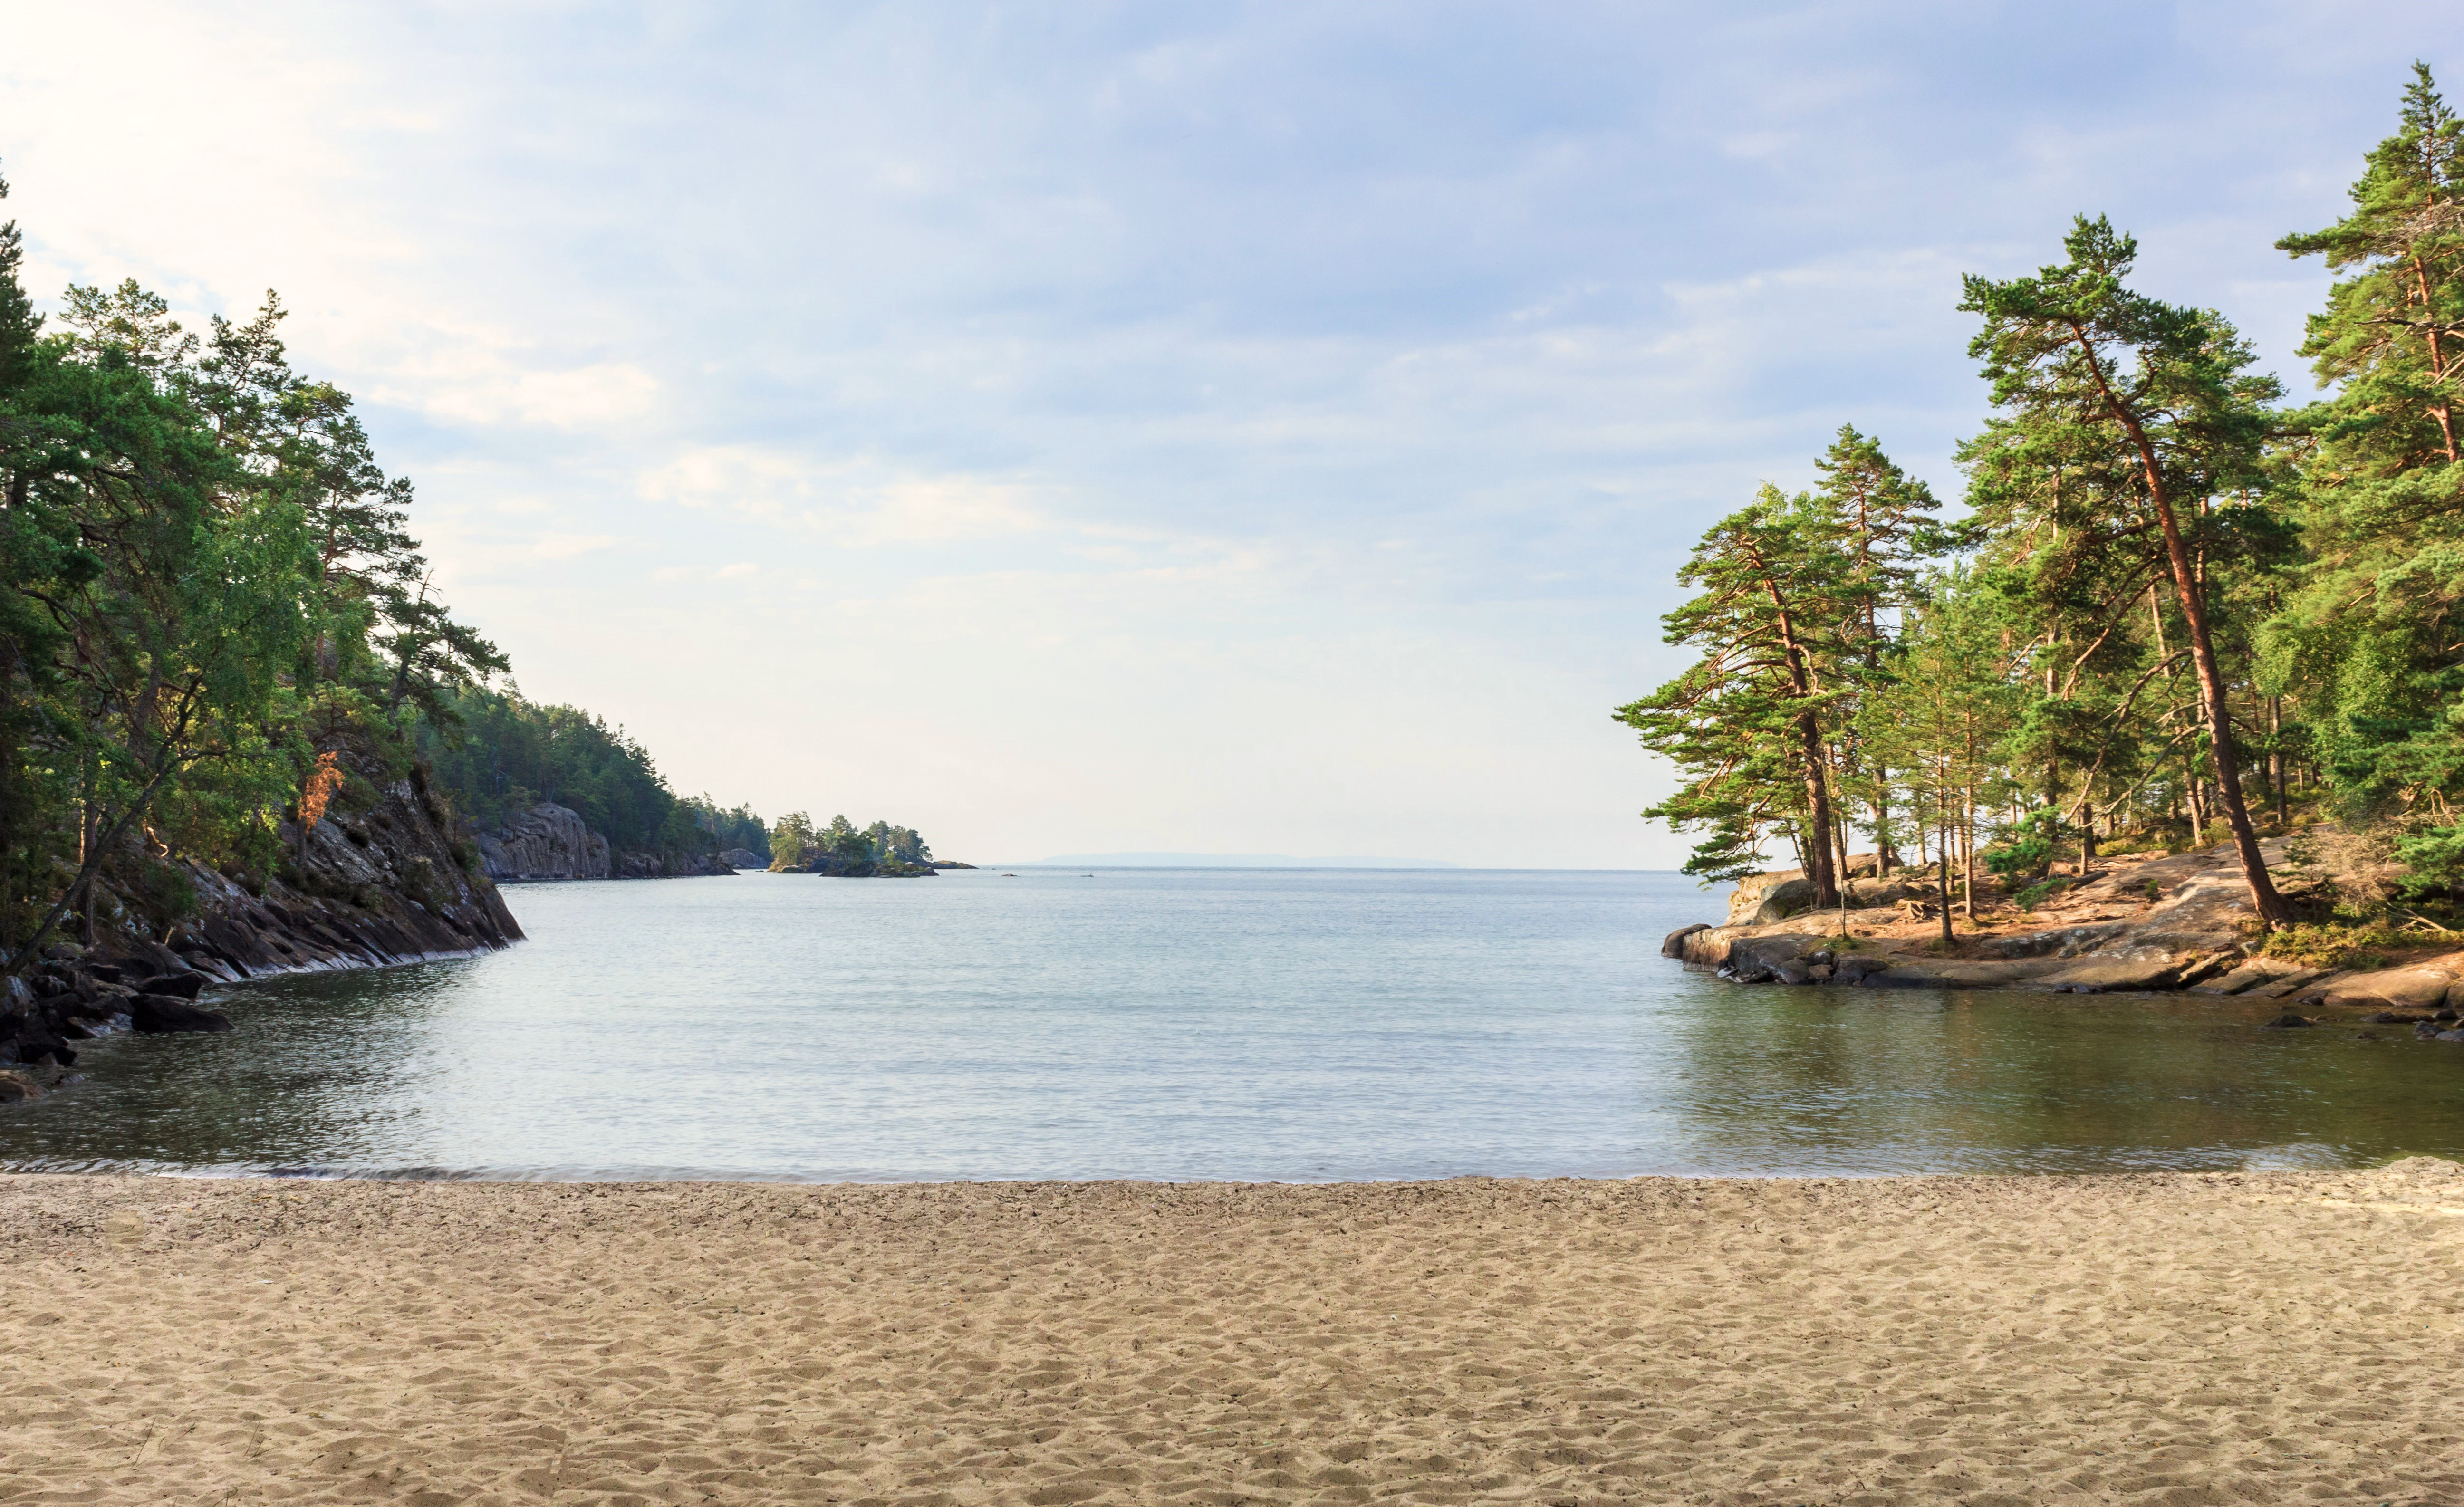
(1942, 813)
(1817, 796)
(1967, 855)
(2276, 760)
(1882, 854)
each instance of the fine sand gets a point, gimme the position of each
(2229, 1338)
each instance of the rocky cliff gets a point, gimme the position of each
(382, 879)
(550, 842)
(547, 841)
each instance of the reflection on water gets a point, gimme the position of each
(1291, 1025)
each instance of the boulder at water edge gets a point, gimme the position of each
(166, 1015)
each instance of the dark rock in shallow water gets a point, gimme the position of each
(2395, 1017)
(1792, 971)
(2287, 1021)
(182, 985)
(164, 1014)
(2449, 1035)
(1675, 946)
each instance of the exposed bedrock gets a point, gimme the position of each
(381, 882)
(547, 841)
(550, 842)
(2170, 923)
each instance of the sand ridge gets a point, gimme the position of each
(2178, 1338)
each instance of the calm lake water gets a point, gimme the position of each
(1293, 1025)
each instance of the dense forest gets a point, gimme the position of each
(2178, 610)
(215, 626)
(500, 755)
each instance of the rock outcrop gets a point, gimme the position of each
(669, 865)
(743, 859)
(550, 842)
(2168, 924)
(377, 880)
(2142, 926)
(547, 841)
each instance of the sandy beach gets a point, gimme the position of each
(2190, 1338)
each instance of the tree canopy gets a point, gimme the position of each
(2176, 610)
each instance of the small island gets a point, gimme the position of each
(843, 850)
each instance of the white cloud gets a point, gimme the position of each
(1266, 428)
(567, 546)
(846, 504)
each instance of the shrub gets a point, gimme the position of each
(2028, 898)
(2331, 946)
(2027, 850)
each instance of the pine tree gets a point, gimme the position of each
(2370, 639)
(2167, 389)
(1885, 521)
(1750, 725)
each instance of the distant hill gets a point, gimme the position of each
(1224, 860)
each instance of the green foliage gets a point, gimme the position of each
(2344, 947)
(2028, 847)
(733, 827)
(2036, 894)
(796, 843)
(500, 755)
(1791, 606)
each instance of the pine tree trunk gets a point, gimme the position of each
(1942, 807)
(1817, 795)
(2272, 909)
(1967, 855)
(1882, 854)
(2277, 763)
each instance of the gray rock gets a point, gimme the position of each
(1763, 899)
(181, 985)
(1675, 945)
(164, 1015)
(2288, 1021)
(547, 841)
(2100, 976)
(1792, 971)
(1753, 960)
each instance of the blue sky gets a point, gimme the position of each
(1213, 427)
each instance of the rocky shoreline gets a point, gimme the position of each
(384, 884)
(2145, 925)
(550, 842)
